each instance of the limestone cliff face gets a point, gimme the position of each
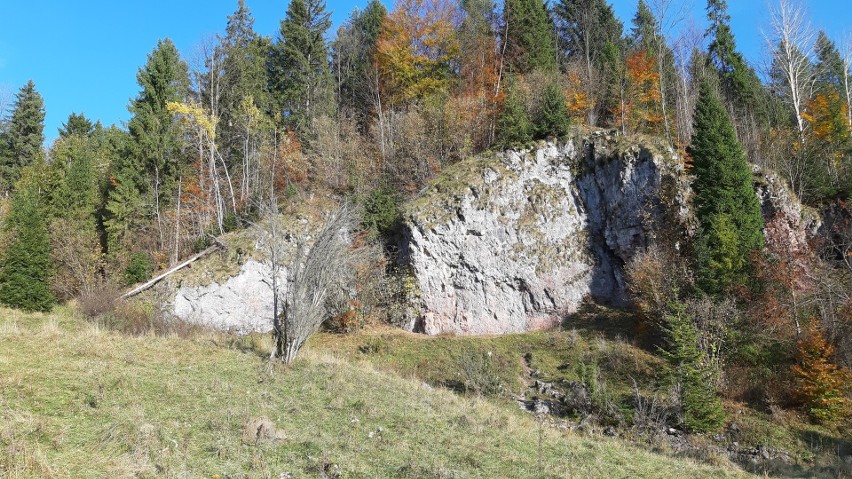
(509, 243)
(241, 303)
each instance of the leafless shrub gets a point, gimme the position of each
(77, 259)
(316, 275)
(140, 318)
(99, 300)
(650, 414)
(654, 278)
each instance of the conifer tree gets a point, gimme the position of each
(76, 125)
(699, 400)
(26, 264)
(530, 36)
(513, 126)
(244, 72)
(740, 84)
(353, 52)
(25, 135)
(156, 138)
(644, 31)
(587, 28)
(554, 119)
(728, 211)
(299, 71)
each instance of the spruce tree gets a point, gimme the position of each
(514, 129)
(585, 28)
(352, 60)
(76, 125)
(156, 137)
(244, 72)
(728, 211)
(25, 135)
(643, 34)
(26, 268)
(740, 84)
(554, 119)
(299, 71)
(829, 65)
(530, 36)
(701, 407)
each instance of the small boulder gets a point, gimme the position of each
(260, 429)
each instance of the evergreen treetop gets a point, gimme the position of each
(726, 205)
(25, 135)
(529, 36)
(299, 73)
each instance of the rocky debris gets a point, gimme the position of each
(505, 244)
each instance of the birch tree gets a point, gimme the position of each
(791, 43)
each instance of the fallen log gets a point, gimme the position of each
(217, 244)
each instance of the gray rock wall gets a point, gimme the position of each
(510, 243)
(242, 303)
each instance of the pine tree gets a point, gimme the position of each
(689, 369)
(514, 129)
(530, 36)
(728, 211)
(25, 135)
(554, 119)
(299, 72)
(26, 268)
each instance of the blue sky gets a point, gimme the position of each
(83, 56)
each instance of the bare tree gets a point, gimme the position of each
(314, 276)
(684, 47)
(791, 44)
(669, 13)
(846, 53)
(5, 101)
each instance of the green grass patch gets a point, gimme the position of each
(79, 401)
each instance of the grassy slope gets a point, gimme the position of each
(78, 401)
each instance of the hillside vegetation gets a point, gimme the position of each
(80, 401)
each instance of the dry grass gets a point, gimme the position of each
(82, 401)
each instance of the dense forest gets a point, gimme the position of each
(370, 113)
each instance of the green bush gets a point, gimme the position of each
(381, 212)
(138, 269)
(479, 374)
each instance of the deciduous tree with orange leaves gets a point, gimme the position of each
(644, 96)
(820, 383)
(417, 49)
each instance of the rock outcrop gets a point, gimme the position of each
(241, 303)
(512, 242)
(508, 242)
